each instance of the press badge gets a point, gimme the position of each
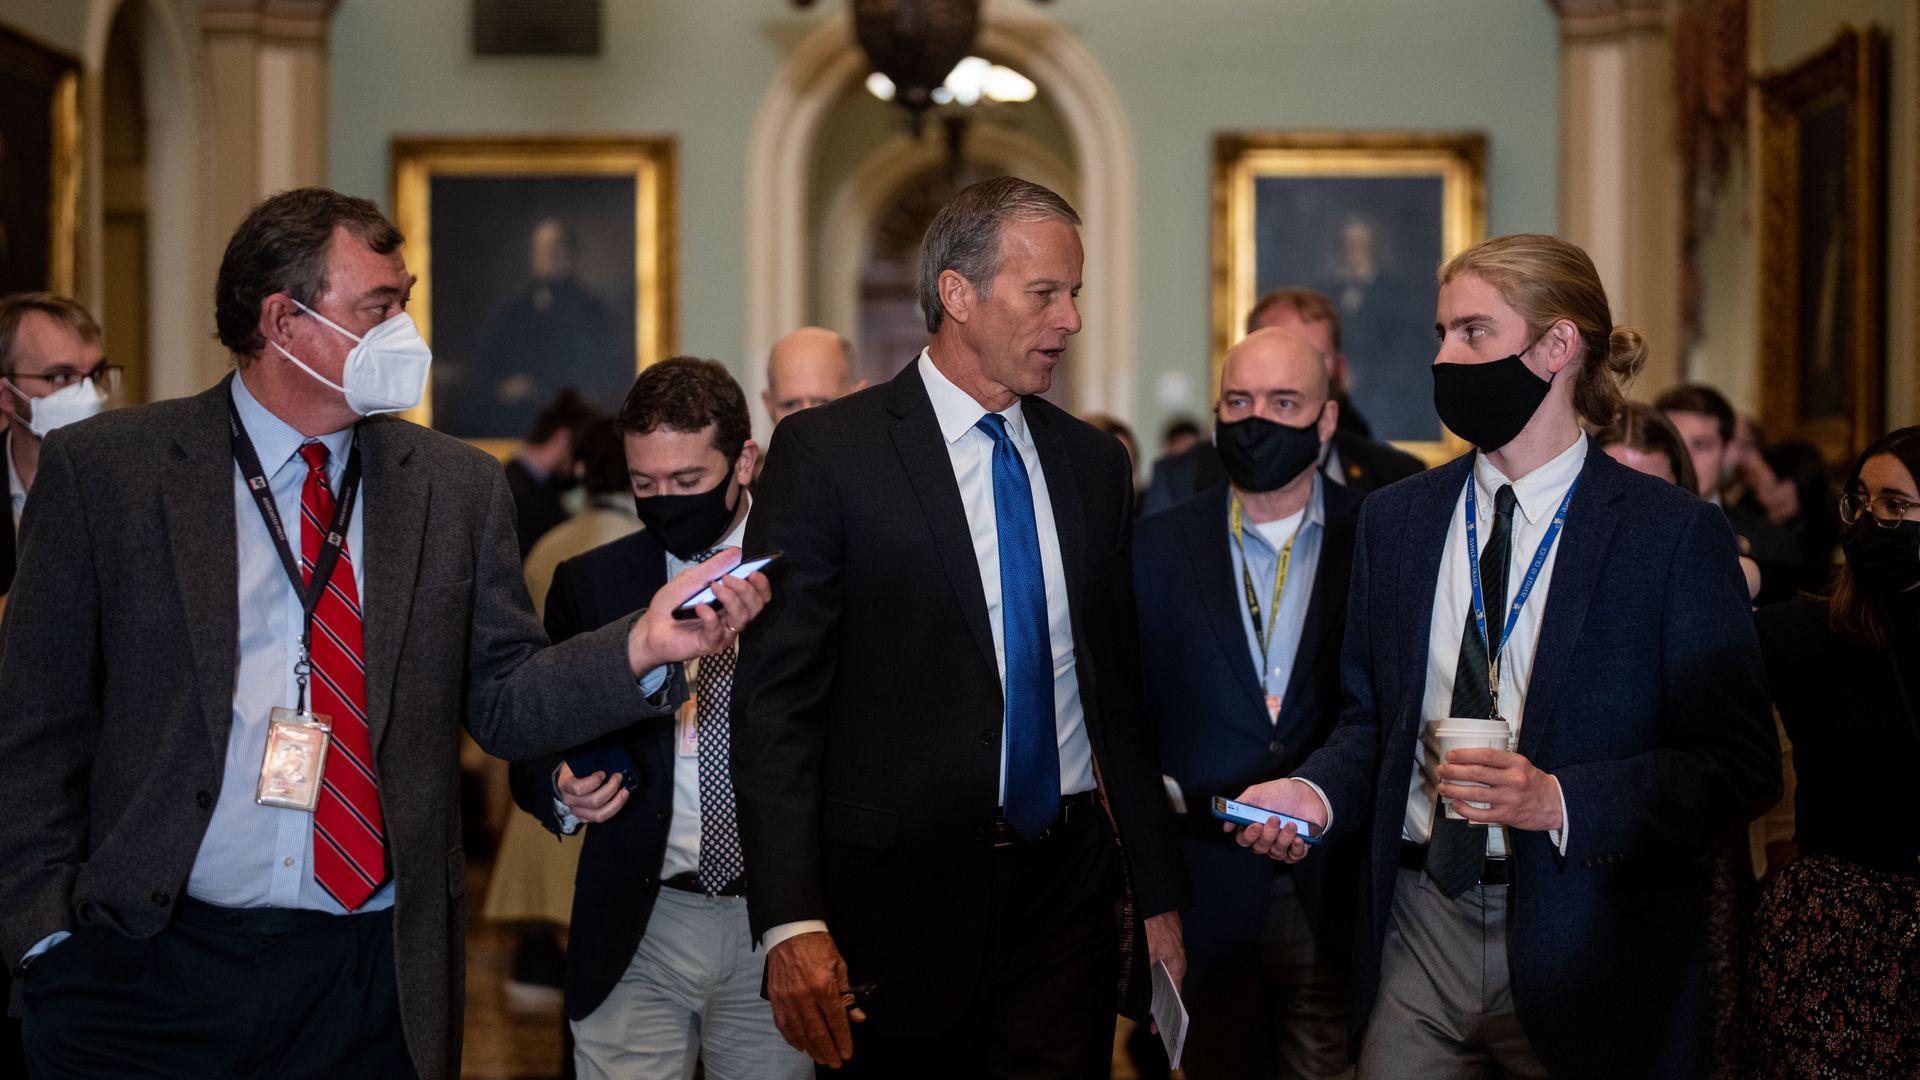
(296, 755)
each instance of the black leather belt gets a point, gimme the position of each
(1495, 871)
(1073, 808)
(690, 882)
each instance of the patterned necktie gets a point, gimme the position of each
(1457, 850)
(349, 834)
(1033, 752)
(721, 863)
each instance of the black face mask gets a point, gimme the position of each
(1884, 561)
(687, 525)
(1488, 404)
(1264, 455)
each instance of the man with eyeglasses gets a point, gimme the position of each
(52, 368)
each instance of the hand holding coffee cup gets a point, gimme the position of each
(1466, 733)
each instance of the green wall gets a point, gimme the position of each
(697, 69)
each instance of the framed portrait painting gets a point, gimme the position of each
(39, 166)
(1365, 219)
(1823, 137)
(545, 264)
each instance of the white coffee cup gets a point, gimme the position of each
(1466, 733)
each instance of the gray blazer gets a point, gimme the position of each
(117, 659)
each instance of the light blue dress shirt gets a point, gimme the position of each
(1259, 558)
(252, 855)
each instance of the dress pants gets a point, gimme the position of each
(220, 992)
(1043, 1004)
(1279, 1011)
(690, 994)
(1445, 1010)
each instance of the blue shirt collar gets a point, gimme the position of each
(276, 442)
(1315, 515)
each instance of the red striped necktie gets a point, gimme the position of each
(349, 833)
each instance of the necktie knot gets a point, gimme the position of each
(1504, 501)
(315, 455)
(994, 425)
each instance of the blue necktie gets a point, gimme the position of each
(1033, 757)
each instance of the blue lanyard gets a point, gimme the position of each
(1526, 586)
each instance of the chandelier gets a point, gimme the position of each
(915, 46)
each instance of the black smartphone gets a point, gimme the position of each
(743, 571)
(608, 758)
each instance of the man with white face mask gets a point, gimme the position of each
(248, 627)
(53, 373)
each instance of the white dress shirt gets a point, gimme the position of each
(15, 488)
(1538, 496)
(971, 451)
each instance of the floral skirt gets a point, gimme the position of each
(1834, 973)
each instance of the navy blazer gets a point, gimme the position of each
(1210, 714)
(1648, 703)
(619, 875)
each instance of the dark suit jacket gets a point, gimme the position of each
(536, 505)
(117, 675)
(1647, 703)
(1365, 465)
(1211, 714)
(867, 706)
(619, 873)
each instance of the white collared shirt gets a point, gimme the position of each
(971, 452)
(1538, 496)
(14, 487)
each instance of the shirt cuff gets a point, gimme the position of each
(561, 815)
(42, 946)
(652, 683)
(1558, 837)
(786, 930)
(1324, 801)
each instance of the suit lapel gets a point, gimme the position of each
(197, 502)
(1421, 555)
(1210, 553)
(1332, 572)
(923, 454)
(392, 530)
(1591, 519)
(1063, 494)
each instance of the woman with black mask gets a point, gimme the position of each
(1835, 973)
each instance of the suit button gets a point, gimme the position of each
(203, 798)
(648, 882)
(986, 736)
(660, 816)
(1274, 747)
(159, 899)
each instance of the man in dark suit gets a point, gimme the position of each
(659, 946)
(1706, 423)
(1243, 599)
(190, 888)
(939, 739)
(1352, 458)
(1616, 699)
(541, 474)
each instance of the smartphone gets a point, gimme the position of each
(1246, 814)
(609, 758)
(745, 570)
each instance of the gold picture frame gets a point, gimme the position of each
(40, 166)
(1438, 182)
(1822, 253)
(497, 196)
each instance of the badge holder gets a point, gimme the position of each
(296, 756)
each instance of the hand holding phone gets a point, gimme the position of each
(1247, 814)
(746, 569)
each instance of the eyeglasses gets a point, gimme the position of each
(1888, 511)
(103, 375)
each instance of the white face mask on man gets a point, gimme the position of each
(70, 404)
(385, 371)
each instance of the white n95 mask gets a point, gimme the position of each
(385, 372)
(70, 404)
